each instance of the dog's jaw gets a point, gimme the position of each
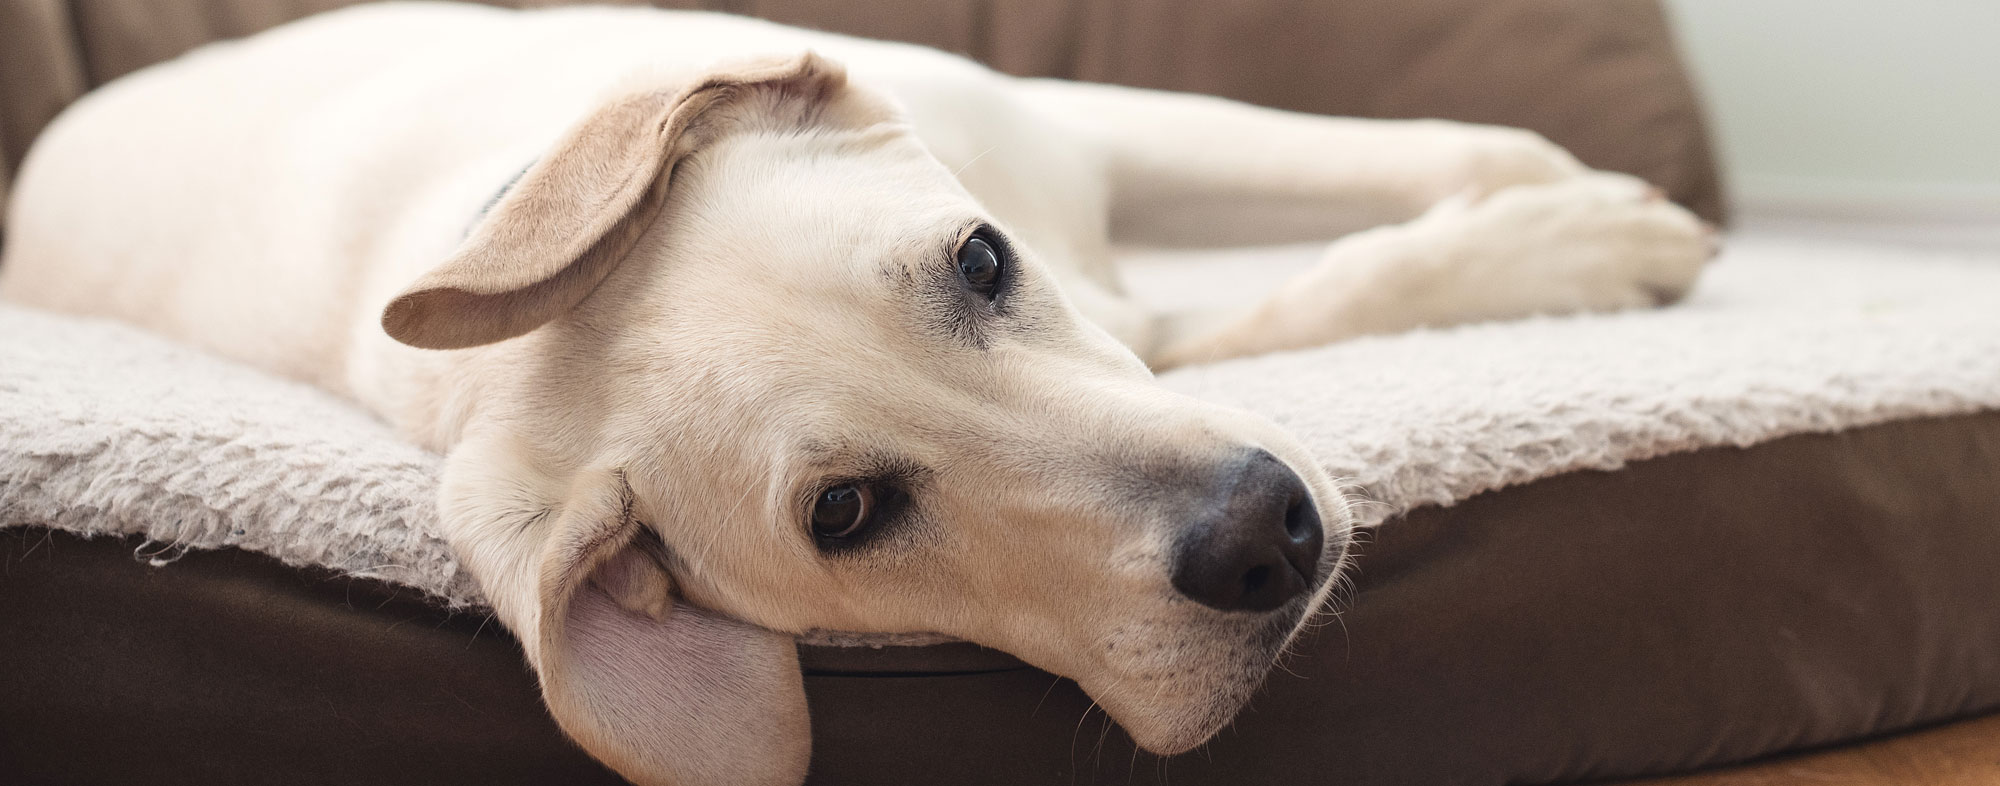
(1175, 718)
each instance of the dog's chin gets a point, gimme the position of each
(1167, 739)
(1189, 703)
(1181, 711)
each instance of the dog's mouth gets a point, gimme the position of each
(1180, 690)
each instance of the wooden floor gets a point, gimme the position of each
(1961, 754)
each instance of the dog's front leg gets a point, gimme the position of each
(1594, 243)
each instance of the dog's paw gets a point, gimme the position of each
(1595, 243)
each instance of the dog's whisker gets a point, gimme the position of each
(1046, 692)
(701, 555)
(1097, 752)
(974, 160)
(1078, 731)
(476, 631)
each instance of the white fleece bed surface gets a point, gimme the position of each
(108, 430)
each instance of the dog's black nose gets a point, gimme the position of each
(1258, 547)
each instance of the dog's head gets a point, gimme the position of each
(755, 363)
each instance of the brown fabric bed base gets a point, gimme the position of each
(1686, 611)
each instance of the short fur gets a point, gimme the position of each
(718, 284)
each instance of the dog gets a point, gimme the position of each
(732, 331)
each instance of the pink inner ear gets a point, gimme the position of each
(696, 699)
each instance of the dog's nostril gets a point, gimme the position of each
(1254, 580)
(1302, 519)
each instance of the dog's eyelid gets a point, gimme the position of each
(965, 232)
(934, 259)
(825, 464)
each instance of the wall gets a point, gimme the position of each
(1853, 107)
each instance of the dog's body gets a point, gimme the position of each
(647, 384)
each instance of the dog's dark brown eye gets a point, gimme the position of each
(842, 510)
(980, 266)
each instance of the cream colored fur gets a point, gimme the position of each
(707, 293)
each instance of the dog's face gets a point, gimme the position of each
(842, 397)
(872, 410)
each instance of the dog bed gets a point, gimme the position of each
(1600, 545)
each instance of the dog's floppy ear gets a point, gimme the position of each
(570, 219)
(664, 693)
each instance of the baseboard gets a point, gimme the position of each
(1957, 216)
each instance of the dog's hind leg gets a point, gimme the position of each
(1594, 243)
(1499, 223)
(1196, 170)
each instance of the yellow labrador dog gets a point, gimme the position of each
(733, 331)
